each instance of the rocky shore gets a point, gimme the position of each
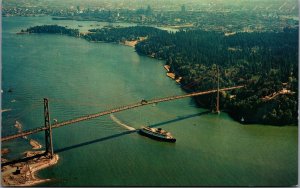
(171, 74)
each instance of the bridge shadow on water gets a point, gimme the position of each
(25, 159)
(129, 132)
(180, 118)
(94, 141)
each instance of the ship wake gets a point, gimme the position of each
(116, 120)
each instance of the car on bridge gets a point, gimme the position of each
(144, 101)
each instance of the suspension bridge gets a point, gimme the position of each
(48, 126)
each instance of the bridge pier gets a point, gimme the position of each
(48, 131)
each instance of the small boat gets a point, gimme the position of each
(157, 133)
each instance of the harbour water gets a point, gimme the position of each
(80, 77)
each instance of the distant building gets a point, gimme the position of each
(79, 9)
(149, 10)
(183, 8)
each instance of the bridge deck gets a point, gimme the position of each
(118, 109)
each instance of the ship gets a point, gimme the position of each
(157, 133)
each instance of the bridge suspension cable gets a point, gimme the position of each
(114, 110)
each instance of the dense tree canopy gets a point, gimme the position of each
(53, 29)
(266, 63)
(120, 34)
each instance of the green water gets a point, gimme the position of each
(80, 78)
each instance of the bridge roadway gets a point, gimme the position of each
(118, 109)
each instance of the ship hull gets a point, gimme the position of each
(145, 133)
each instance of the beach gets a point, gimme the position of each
(24, 173)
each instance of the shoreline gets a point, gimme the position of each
(173, 76)
(24, 173)
(130, 43)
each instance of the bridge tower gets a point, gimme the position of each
(218, 93)
(48, 131)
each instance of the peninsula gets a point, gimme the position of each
(24, 173)
(261, 61)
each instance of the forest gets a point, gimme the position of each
(53, 29)
(266, 63)
(111, 34)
